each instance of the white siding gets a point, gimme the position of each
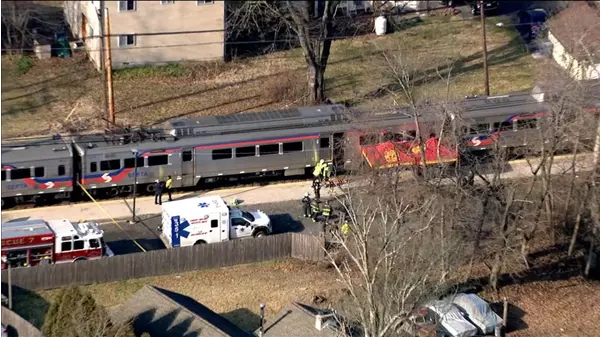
(578, 70)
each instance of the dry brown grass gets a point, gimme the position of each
(224, 290)
(54, 89)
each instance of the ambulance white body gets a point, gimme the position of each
(202, 220)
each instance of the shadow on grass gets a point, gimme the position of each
(28, 304)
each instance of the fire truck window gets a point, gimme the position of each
(3, 175)
(20, 174)
(61, 170)
(78, 245)
(65, 246)
(324, 142)
(412, 134)
(94, 243)
(38, 172)
(17, 258)
(214, 223)
(93, 167)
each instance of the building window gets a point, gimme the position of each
(204, 2)
(61, 170)
(127, 40)
(167, 2)
(126, 6)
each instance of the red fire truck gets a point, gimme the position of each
(34, 242)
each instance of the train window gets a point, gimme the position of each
(158, 160)
(371, 139)
(20, 174)
(78, 245)
(324, 142)
(65, 246)
(3, 175)
(268, 149)
(393, 137)
(246, 151)
(523, 124)
(38, 172)
(479, 128)
(93, 167)
(61, 170)
(504, 126)
(110, 165)
(223, 154)
(293, 147)
(187, 156)
(130, 162)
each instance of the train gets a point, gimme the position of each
(212, 149)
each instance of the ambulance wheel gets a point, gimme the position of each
(199, 242)
(260, 233)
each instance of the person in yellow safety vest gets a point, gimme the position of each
(345, 228)
(318, 171)
(314, 209)
(235, 202)
(328, 172)
(326, 212)
(169, 185)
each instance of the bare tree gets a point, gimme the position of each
(313, 31)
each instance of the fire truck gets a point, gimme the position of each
(34, 242)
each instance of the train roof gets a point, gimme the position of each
(263, 120)
(25, 151)
(19, 229)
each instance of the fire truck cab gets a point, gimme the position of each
(34, 242)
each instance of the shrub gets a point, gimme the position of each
(23, 65)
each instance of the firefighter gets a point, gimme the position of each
(158, 189)
(168, 186)
(318, 172)
(326, 212)
(314, 209)
(306, 204)
(316, 185)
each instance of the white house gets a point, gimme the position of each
(575, 36)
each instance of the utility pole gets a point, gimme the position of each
(108, 67)
(103, 60)
(483, 36)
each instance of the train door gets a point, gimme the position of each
(338, 151)
(187, 167)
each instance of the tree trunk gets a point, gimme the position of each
(578, 221)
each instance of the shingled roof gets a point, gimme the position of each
(578, 29)
(298, 320)
(164, 313)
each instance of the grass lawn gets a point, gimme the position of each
(236, 292)
(66, 94)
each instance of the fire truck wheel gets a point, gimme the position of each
(79, 259)
(199, 242)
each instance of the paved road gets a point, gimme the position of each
(285, 217)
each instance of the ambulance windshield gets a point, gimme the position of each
(248, 216)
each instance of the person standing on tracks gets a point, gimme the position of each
(168, 186)
(316, 185)
(306, 205)
(158, 190)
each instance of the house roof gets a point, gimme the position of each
(578, 22)
(164, 313)
(298, 320)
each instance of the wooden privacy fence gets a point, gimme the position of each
(18, 324)
(169, 261)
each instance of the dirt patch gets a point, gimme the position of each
(52, 90)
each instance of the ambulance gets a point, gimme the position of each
(203, 220)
